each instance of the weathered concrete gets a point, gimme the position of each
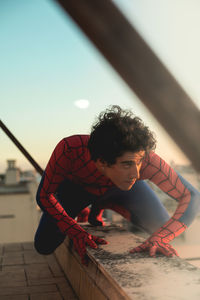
(114, 273)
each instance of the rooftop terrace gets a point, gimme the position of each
(26, 275)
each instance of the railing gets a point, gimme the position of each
(21, 148)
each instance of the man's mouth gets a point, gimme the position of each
(131, 181)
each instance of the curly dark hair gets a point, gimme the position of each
(116, 132)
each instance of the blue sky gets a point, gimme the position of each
(47, 64)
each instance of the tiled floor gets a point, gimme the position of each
(26, 275)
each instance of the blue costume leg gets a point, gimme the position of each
(48, 236)
(140, 205)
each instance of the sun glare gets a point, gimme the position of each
(82, 103)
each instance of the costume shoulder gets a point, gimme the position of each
(154, 166)
(76, 145)
(67, 150)
(157, 170)
(76, 141)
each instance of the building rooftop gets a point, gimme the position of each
(20, 188)
(24, 274)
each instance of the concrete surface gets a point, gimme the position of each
(113, 273)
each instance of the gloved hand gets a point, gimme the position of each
(159, 241)
(155, 245)
(81, 239)
(69, 226)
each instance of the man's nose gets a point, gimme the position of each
(135, 172)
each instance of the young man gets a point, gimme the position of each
(107, 170)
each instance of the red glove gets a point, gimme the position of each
(69, 226)
(159, 241)
(81, 239)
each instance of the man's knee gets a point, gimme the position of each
(43, 249)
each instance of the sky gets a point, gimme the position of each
(47, 64)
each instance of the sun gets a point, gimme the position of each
(82, 103)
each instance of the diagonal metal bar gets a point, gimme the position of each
(133, 59)
(21, 148)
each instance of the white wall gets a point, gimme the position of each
(23, 226)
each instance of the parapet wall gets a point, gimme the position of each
(115, 274)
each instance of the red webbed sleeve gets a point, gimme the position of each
(59, 168)
(160, 173)
(56, 171)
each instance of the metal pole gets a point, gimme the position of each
(141, 69)
(21, 148)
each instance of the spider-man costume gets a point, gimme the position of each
(71, 182)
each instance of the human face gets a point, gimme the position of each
(126, 170)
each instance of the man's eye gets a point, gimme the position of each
(127, 165)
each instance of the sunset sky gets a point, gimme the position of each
(47, 65)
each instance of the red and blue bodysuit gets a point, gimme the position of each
(72, 182)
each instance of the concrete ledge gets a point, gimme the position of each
(115, 274)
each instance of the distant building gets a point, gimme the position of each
(12, 174)
(19, 215)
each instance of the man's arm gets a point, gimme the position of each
(160, 173)
(59, 164)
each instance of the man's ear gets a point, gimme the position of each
(100, 164)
